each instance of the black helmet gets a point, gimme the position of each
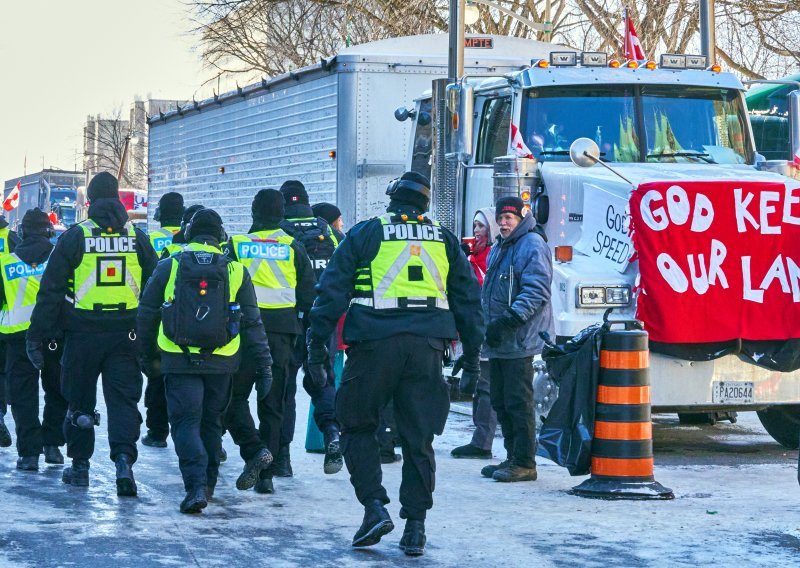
(411, 188)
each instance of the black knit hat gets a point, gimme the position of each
(171, 206)
(103, 185)
(205, 222)
(416, 193)
(294, 192)
(509, 204)
(327, 211)
(189, 212)
(35, 222)
(268, 205)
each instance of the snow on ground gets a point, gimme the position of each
(736, 504)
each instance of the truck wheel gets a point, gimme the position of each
(783, 424)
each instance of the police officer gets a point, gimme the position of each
(284, 283)
(8, 241)
(91, 286)
(169, 214)
(20, 273)
(179, 239)
(198, 309)
(319, 241)
(410, 290)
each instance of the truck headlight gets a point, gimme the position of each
(603, 296)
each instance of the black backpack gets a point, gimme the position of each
(315, 236)
(200, 314)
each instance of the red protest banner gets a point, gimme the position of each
(717, 260)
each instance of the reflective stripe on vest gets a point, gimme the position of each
(409, 271)
(20, 286)
(4, 232)
(235, 275)
(109, 276)
(161, 238)
(269, 258)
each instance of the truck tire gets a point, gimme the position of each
(783, 424)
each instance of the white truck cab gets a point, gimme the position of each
(677, 119)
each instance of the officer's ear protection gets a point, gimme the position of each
(399, 183)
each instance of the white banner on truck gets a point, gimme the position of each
(605, 228)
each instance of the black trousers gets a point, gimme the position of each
(23, 397)
(238, 419)
(111, 354)
(407, 368)
(324, 399)
(511, 391)
(3, 381)
(155, 400)
(195, 404)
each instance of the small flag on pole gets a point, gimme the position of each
(518, 143)
(12, 201)
(632, 49)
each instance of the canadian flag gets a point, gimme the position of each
(518, 143)
(12, 201)
(632, 50)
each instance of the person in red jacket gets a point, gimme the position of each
(484, 231)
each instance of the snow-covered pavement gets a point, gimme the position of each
(736, 505)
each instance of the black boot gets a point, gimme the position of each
(390, 457)
(333, 453)
(469, 451)
(77, 474)
(28, 463)
(488, 471)
(223, 455)
(126, 485)
(282, 466)
(252, 468)
(413, 540)
(53, 455)
(195, 501)
(154, 441)
(377, 523)
(5, 435)
(264, 484)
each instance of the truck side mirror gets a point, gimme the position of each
(402, 114)
(794, 121)
(584, 152)
(459, 100)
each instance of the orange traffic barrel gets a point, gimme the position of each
(622, 446)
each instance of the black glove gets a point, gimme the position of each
(470, 368)
(317, 358)
(498, 330)
(263, 382)
(35, 351)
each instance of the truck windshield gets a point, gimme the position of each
(669, 123)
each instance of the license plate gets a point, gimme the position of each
(732, 392)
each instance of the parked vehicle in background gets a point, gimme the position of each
(774, 110)
(49, 190)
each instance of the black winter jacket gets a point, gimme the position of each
(359, 248)
(51, 307)
(253, 338)
(33, 250)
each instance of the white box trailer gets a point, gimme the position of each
(329, 125)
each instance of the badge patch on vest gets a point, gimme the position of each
(203, 257)
(268, 251)
(111, 271)
(412, 232)
(110, 244)
(21, 270)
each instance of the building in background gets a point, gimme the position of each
(105, 137)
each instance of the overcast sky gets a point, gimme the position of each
(61, 60)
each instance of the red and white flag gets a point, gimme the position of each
(632, 50)
(12, 201)
(518, 143)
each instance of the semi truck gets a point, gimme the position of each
(49, 190)
(328, 125)
(532, 132)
